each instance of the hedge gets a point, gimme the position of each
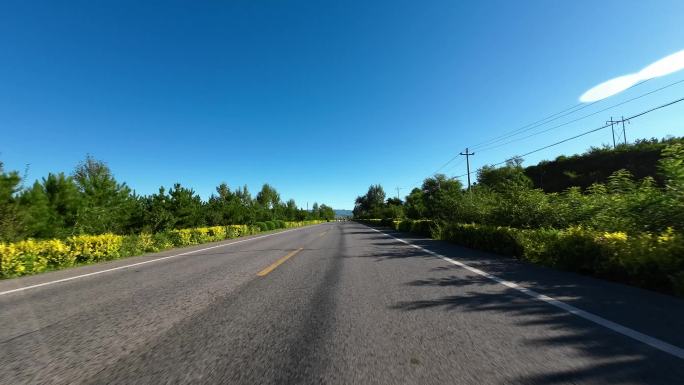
(35, 256)
(653, 261)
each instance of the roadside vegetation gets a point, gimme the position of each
(88, 216)
(622, 228)
(36, 256)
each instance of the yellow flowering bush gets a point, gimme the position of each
(34, 256)
(654, 261)
(94, 248)
(146, 243)
(11, 263)
(56, 253)
(31, 256)
(181, 237)
(235, 231)
(200, 235)
(216, 233)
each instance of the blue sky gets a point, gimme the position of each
(318, 98)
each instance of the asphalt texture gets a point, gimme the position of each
(353, 306)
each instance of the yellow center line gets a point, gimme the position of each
(278, 262)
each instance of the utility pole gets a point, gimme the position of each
(614, 123)
(612, 130)
(398, 188)
(624, 133)
(468, 155)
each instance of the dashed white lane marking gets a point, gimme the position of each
(142, 263)
(631, 333)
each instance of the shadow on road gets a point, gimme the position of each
(613, 358)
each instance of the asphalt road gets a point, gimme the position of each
(337, 303)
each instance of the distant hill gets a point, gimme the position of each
(594, 166)
(343, 213)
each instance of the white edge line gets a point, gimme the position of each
(143, 262)
(641, 337)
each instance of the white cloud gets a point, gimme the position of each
(665, 66)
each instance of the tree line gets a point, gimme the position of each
(91, 201)
(506, 196)
(598, 163)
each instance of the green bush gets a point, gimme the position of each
(654, 261)
(650, 260)
(501, 240)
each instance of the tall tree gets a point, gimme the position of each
(106, 205)
(415, 208)
(186, 207)
(371, 204)
(159, 214)
(64, 200)
(326, 212)
(269, 199)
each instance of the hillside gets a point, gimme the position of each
(343, 213)
(595, 165)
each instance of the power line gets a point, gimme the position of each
(435, 172)
(583, 117)
(541, 122)
(544, 121)
(453, 166)
(583, 134)
(536, 124)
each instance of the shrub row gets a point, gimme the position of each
(653, 261)
(422, 226)
(35, 256)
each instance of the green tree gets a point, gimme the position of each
(415, 208)
(315, 212)
(158, 211)
(64, 200)
(39, 220)
(291, 209)
(106, 205)
(371, 204)
(326, 212)
(440, 196)
(511, 176)
(186, 207)
(10, 219)
(269, 199)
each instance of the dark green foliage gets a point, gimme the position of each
(372, 204)
(625, 228)
(326, 212)
(105, 204)
(597, 164)
(185, 207)
(652, 261)
(10, 215)
(92, 201)
(503, 179)
(493, 238)
(414, 207)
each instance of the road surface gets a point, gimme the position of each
(337, 303)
